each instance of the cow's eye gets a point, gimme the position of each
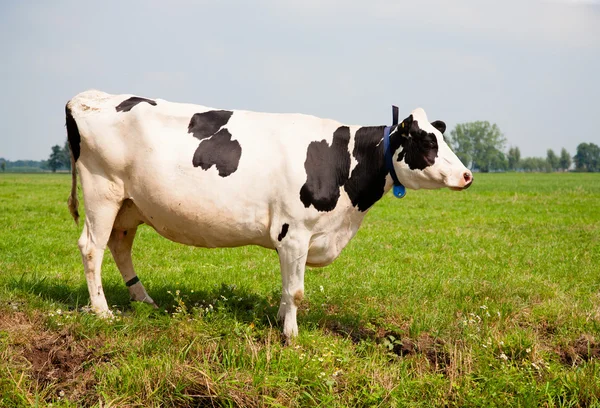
(432, 144)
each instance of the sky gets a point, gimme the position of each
(530, 66)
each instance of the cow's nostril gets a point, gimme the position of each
(467, 176)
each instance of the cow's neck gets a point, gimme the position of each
(370, 179)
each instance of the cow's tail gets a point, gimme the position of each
(74, 146)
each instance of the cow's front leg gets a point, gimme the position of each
(292, 258)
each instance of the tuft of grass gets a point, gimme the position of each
(489, 297)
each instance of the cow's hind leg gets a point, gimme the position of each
(292, 258)
(98, 225)
(120, 244)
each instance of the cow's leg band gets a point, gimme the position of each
(132, 281)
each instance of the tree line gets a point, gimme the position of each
(21, 166)
(480, 147)
(59, 159)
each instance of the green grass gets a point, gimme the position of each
(489, 297)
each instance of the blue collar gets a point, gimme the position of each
(399, 189)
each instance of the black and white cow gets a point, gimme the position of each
(224, 178)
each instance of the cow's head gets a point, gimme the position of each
(422, 158)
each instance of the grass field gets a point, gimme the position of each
(488, 297)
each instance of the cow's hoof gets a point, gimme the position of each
(147, 301)
(290, 328)
(287, 341)
(104, 314)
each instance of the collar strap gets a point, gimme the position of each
(399, 189)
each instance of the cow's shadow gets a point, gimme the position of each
(243, 304)
(239, 303)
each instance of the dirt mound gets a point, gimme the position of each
(59, 363)
(58, 357)
(578, 351)
(401, 345)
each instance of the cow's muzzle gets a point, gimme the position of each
(467, 180)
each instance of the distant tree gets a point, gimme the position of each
(55, 159)
(498, 161)
(478, 145)
(534, 164)
(587, 157)
(564, 162)
(552, 160)
(60, 158)
(514, 158)
(3, 165)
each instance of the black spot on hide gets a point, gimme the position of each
(219, 150)
(367, 181)
(129, 104)
(206, 124)
(327, 168)
(420, 149)
(216, 147)
(283, 233)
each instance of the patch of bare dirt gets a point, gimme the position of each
(59, 358)
(59, 364)
(585, 348)
(432, 348)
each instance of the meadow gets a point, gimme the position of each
(487, 297)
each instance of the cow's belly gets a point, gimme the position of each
(187, 211)
(325, 246)
(204, 227)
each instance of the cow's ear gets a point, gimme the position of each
(439, 125)
(404, 127)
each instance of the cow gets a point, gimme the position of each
(210, 178)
